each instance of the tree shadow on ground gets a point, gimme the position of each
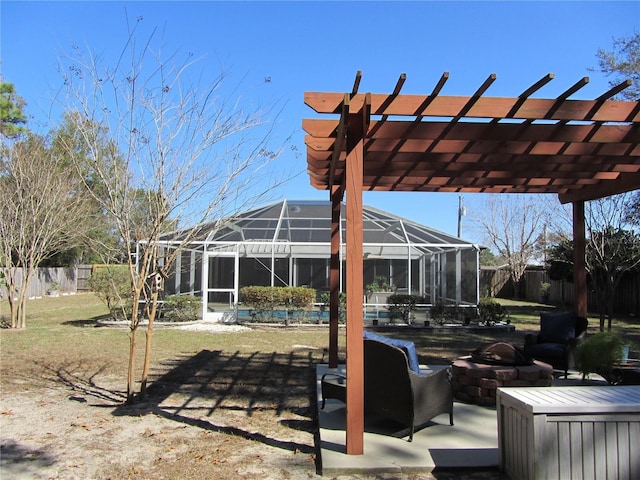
(203, 389)
(81, 379)
(533, 310)
(87, 322)
(19, 461)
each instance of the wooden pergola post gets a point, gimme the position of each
(579, 263)
(355, 282)
(334, 275)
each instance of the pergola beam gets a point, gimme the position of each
(486, 107)
(320, 129)
(341, 131)
(629, 183)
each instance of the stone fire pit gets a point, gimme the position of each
(477, 382)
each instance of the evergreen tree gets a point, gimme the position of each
(12, 117)
(623, 62)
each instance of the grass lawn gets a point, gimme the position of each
(231, 405)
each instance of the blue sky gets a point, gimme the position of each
(319, 46)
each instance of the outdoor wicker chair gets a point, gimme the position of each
(556, 344)
(393, 391)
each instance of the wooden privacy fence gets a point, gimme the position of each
(62, 280)
(496, 282)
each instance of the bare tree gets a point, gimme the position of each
(511, 225)
(40, 215)
(190, 150)
(612, 250)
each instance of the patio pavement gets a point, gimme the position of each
(472, 442)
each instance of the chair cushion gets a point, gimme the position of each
(557, 327)
(547, 350)
(408, 347)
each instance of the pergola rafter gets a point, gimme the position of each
(577, 149)
(540, 144)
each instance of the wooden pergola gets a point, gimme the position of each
(579, 150)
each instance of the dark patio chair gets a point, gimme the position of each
(556, 343)
(393, 391)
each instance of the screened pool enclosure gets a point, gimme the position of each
(288, 244)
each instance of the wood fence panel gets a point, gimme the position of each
(83, 274)
(496, 282)
(48, 280)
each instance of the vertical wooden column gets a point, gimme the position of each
(355, 286)
(334, 275)
(579, 265)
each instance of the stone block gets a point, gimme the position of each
(530, 372)
(479, 370)
(477, 383)
(545, 367)
(490, 383)
(474, 391)
(506, 373)
(519, 383)
(466, 380)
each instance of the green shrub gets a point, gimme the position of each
(261, 299)
(437, 312)
(379, 284)
(112, 285)
(401, 305)
(490, 311)
(298, 300)
(441, 313)
(325, 298)
(599, 353)
(181, 308)
(264, 300)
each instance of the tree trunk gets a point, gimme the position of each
(21, 310)
(132, 346)
(12, 294)
(12, 309)
(147, 347)
(131, 368)
(17, 300)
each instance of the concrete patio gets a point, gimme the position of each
(472, 442)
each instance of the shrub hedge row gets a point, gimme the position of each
(264, 301)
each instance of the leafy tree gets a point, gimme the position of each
(184, 151)
(560, 261)
(111, 284)
(623, 62)
(70, 140)
(84, 145)
(490, 259)
(12, 117)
